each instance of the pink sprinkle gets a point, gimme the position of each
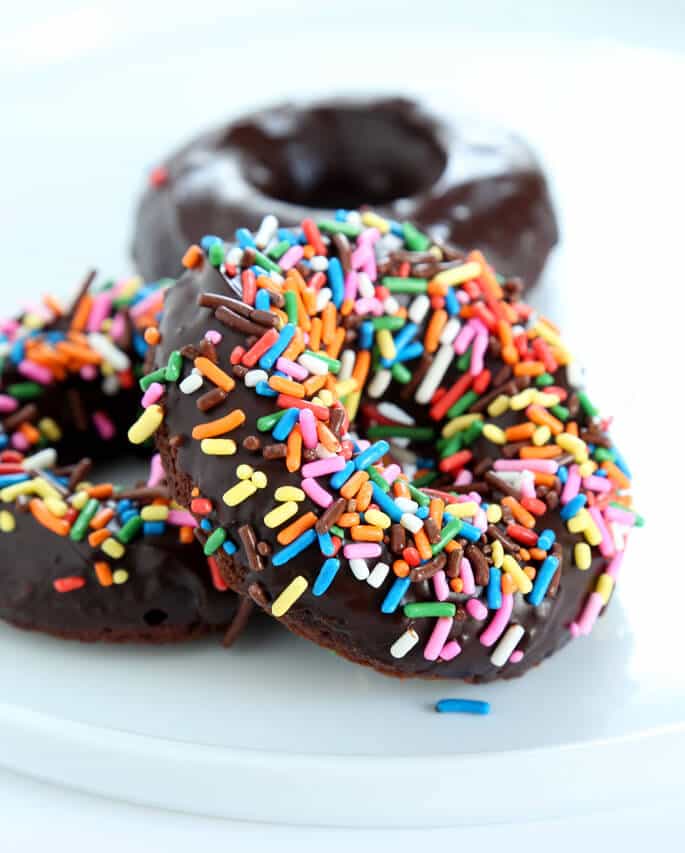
(321, 467)
(480, 345)
(363, 444)
(391, 473)
(308, 428)
(36, 372)
(614, 566)
(369, 236)
(477, 609)
(88, 372)
(351, 286)
(480, 520)
(516, 656)
(360, 256)
(213, 336)
(156, 471)
(318, 494)
(606, 545)
(8, 404)
(464, 338)
(620, 516)
(466, 575)
(362, 550)
(292, 369)
(440, 586)
(20, 442)
(104, 426)
(118, 327)
(545, 466)
(369, 305)
(151, 303)
(291, 257)
(499, 622)
(181, 518)
(438, 637)
(591, 611)
(528, 487)
(369, 266)
(574, 628)
(99, 311)
(153, 393)
(572, 485)
(474, 496)
(450, 650)
(597, 484)
(9, 327)
(464, 478)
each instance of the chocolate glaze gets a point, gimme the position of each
(473, 185)
(347, 618)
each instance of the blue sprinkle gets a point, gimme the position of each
(325, 577)
(462, 706)
(562, 474)
(341, 215)
(422, 512)
(410, 352)
(264, 389)
(262, 301)
(404, 336)
(128, 515)
(366, 335)
(123, 505)
(395, 594)
(4, 441)
(424, 462)
(285, 425)
(336, 281)
(372, 454)
(271, 356)
(495, 589)
(208, 241)
(296, 547)
(469, 531)
(17, 351)
(206, 524)
(229, 547)
(386, 503)
(572, 507)
(153, 528)
(546, 539)
(139, 345)
(287, 235)
(244, 239)
(543, 578)
(451, 302)
(11, 479)
(600, 472)
(341, 477)
(396, 229)
(621, 464)
(326, 544)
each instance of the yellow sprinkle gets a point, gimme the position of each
(541, 436)
(465, 509)
(218, 446)
(579, 521)
(80, 499)
(386, 343)
(11, 493)
(520, 578)
(44, 489)
(347, 386)
(50, 429)
(373, 220)
(280, 514)
(493, 513)
(326, 397)
(57, 507)
(289, 493)
(547, 334)
(113, 549)
(244, 472)
(591, 532)
(7, 522)
(459, 423)
(586, 468)
(239, 493)
(259, 479)
(120, 576)
(523, 399)
(583, 555)
(494, 434)
(32, 321)
(605, 586)
(154, 513)
(543, 398)
(499, 406)
(147, 424)
(352, 404)
(377, 518)
(573, 444)
(458, 275)
(497, 554)
(437, 251)
(289, 596)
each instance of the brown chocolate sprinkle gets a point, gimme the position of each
(239, 622)
(258, 594)
(507, 543)
(26, 414)
(398, 538)
(208, 350)
(211, 399)
(79, 473)
(454, 561)
(275, 451)
(249, 541)
(78, 410)
(432, 530)
(427, 570)
(177, 440)
(252, 443)
(235, 321)
(481, 568)
(331, 515)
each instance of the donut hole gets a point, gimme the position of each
(343, 156)
(155, 617)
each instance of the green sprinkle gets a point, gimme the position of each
(80, 526)
(414, 240)
(464, 361)
(214, 541)
(391, 323)
(469, 435)
(448, 446)
(560, 412)
(420, 498)
(447, 534)
(400, 431)
(544, 379)
(265, 263)
(405, 285)
(337, 531)
(216, 254)
(401, 373)
(174, 365)
(333, 363)
(278, 250)
(462, 405)
(425, 479)
(268, 422)
(291, 306)
(378, 479)
(130, 530)
(421, 609)
(23, 391)
(332, 226)
(585, 404)
(158, 375)
(603, 454)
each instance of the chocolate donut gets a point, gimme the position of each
(81, 560)
(466, 183)
(502, 539)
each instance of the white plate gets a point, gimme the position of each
(277, 730)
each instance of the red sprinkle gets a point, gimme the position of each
(522, 534)
(313, 235)
(159, 176)
(411, 556)
(534, 505)
(69, 584)
(217, 580)
(201, 506)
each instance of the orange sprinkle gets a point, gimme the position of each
(437, 323)
(194, 257)
(364, 496)
(524, 554)
(327, 438)
(220, 426)
(508, 585)
(185, 534)
(214, 373)
(103, 573)
(102, 519)
(101, 492)
(423, 546)
(314, 384)
(519, 432)
(297, 528)
(542, 479)
(614, 473)
(82, 312)
(53, 305)
(457, 585)
(315, 334)
(287, 386)
(533, 554)
(329, 321)
(43, 516)
(30, 433)
(530, 571)
(97, 537)
(295, 347)
(78, 352)
(152, 336)
(520, 513)
(435, 510)
(353, 485)
(400, 488)
(540, 416)
(361, 367)
(349, 519)
(293, 456)
(333, 349)
(366, 533)
(547, 451)
(401, 568)
(572, 428)
(451, 546)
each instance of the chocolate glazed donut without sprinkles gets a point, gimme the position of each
(472, 185)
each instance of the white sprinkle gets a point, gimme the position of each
(378, 575)
(319, 263)
(111, 354)
(254, 377)
(379, 384)
(404, 643)
(323, 297)
(513, 478)
(406, 504)
(449, 333)
(323, 452)
(395, 413)
(419, 308)
(234, 256)
(314, 365)
(46, 458)
(266, 231)
(347, 360)
(389, 243)
(429, 384)
(276, 278)
(506, 645)
(360, 569)
(365, 286)
(391, 305)
(354, 217)
(191, 384)
(111, 385)
(411, 522)
(575, 373)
